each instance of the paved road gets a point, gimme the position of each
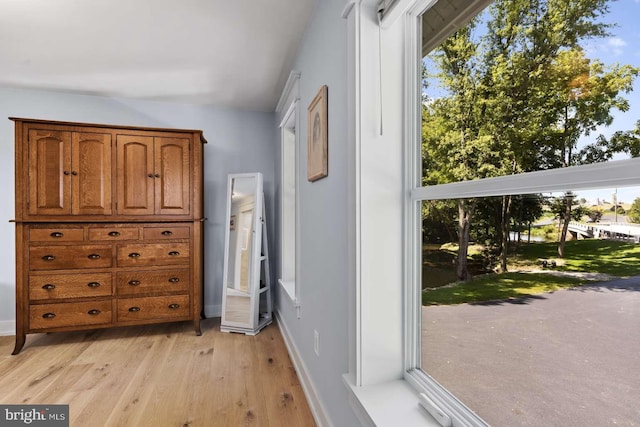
(568, 358)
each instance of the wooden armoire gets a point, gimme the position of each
(108, 226)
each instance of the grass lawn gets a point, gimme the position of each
(595, 256)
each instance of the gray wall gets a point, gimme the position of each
(323, 279)
(239, 141)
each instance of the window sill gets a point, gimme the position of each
(290, 290)
(391, 403)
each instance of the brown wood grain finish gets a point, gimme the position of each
(45, 316)
(62, 286)
(49, 173)
(155, 281)
(162, 307)
(114, 233)
(153, 254)
(135, 179)
(90, 173)
(165, 232)
(87, 197)
(70, 257)
(59, 234)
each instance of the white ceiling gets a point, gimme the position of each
(234, 53)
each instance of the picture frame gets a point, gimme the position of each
(317, 138)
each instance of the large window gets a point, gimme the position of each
(288, 107)
(524, 213)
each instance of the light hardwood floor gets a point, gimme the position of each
(158, 375)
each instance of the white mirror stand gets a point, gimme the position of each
(246, 294)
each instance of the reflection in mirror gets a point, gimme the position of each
(544, 303)
(240, 249)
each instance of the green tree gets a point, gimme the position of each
(633, 214)
(519, 99)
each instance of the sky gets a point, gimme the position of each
(623, 47)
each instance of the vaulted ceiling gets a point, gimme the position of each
(234, 53)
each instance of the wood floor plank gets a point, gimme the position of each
(160, 375)
(285, 398)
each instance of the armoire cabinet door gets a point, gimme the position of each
(153, 175)
(49, 172)
(135, 176)
(69, 173)
(172, 169)
(91, 174)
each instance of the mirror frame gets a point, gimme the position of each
(256, 255)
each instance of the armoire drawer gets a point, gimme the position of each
(45, 316)
(59, 286)
(56, 234)
(149, 308)
(164, 233)
(69, 257)
(145, 282)
(114, 233)
(153, 254)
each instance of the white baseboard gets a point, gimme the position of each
(7, 327)
(213, 310)
(315, 404)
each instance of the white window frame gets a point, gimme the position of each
(611, 174)
(384, 317)
(289, 115)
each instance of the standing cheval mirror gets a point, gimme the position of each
(246, 295)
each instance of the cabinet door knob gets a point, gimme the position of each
(93, 312)
(48, 315)
(150, 175)
(157, 175)
(174, 253)
(174, 279)
(74, 173)
(134, 255)
(56, 234)
(167, 233)
(114, 233)
(48, 286)
(66, 172)
(93, 256)
(48, 258)
(174, 306)
(93, 284)
(134, 309)
(134, 282)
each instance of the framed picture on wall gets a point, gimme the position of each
(317, 161)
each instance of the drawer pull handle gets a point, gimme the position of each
(134, 309)
(134, 255)
(48, 258)
(93, 284)
(174, 306)
(48, 315)
(56, 234)
(93, 312)
(93, 256)
(174, 253)
(114, 233)
(167, 233)
(134, 282)
(48, 286)
(174, 279)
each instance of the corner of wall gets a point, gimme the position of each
(7, 327)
